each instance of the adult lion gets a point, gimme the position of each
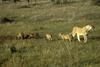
(82, 31)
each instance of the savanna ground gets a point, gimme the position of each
(51, 18)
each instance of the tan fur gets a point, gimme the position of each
(24, 35)
(31, 35)
(48, 36)
(81, 31)
(65, 36)
(20, 35)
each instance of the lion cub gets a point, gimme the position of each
(48, 36)
(65, 36)
(22, 35)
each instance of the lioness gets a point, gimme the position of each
(82, 31)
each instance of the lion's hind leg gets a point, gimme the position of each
(78, 37)
(85, 38)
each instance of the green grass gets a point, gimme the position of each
(53, 19)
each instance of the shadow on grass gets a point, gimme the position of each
(90, 37)
(94, 37)
(4, 20)
(24, 6)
